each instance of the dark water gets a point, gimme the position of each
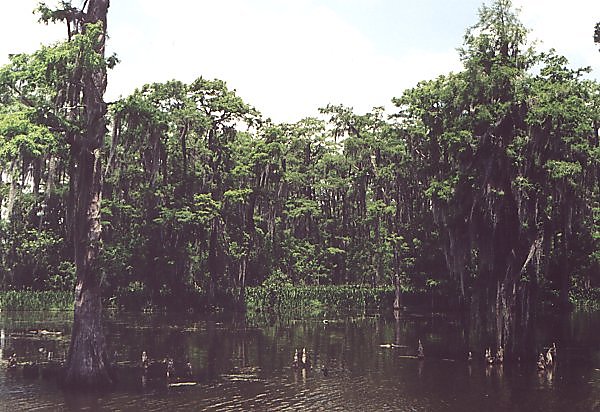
(240, 366)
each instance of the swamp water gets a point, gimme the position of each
(241, 366)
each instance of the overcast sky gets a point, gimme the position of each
(289, 57)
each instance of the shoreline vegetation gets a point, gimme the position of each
(27, 300)
(300, 301)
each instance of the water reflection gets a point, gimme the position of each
(365, 363)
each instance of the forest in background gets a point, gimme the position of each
(482, 184)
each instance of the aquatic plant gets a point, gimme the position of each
(36, 300)
(313, 300)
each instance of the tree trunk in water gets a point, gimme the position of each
(87, 363)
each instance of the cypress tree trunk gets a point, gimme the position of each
(87, 362)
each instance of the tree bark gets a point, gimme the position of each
(87, 362)
(12, 192)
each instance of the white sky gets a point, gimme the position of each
(289, 57)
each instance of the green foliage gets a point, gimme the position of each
(443, 190)
(585, 298)
(30, 300)
(19, 136)
(562, 169)
(313, 300)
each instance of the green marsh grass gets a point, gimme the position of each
(27, 300)
(312, 301)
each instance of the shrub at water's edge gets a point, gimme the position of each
(36, 300)
(313, 300)
(296, 300)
